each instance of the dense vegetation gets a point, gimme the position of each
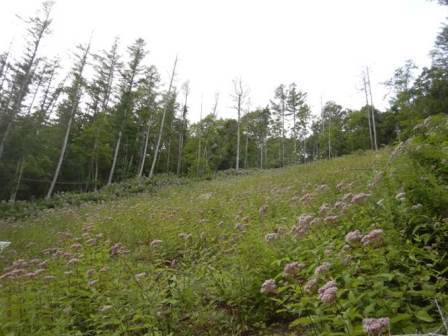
(110, 119)
(249, 257)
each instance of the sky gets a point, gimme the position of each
(321, 45)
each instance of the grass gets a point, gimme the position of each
(209, 283)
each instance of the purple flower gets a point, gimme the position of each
(325, 267)
(304, 220)
(327, 293)
(310, 285)
(292, 268)
(353, 237)
(358, 198)
(375, 326)
(373, 238)
(271, 237)
(269, 287)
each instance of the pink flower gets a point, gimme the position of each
(331, 219)
(375, 326)
(269, 287)
(310, 285)
(270, 237)
(358, 198)
(262, 211)
(347, 197)
(353, 237)
(325, 267)
(374, 238)
(292, 268)
(240, 227)
(73, 261)
(327, 293)
(304, 220)
(92, 283)
(324, 208)
(76, 246)
(90, 273)
(91, 242)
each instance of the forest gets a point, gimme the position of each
(109, 118)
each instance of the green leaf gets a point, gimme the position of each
(424, 316)
(400, 317)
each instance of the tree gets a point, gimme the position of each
(279, 108)
(126, 102)
(23, 71)
(71, 106)
(162, 123)
(297, 107)
(240, 93)
(183, 126)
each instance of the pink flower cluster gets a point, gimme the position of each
(117, 249)
(375, 326)
(270, 237)
(292, 268)
(269, 287)
(353, 237)
(373, 238)
(303, 224)
(323, 268)
(23, 269)
(358, 198)
(327, 293)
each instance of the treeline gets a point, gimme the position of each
(110, 119)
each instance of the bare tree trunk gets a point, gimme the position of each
(373, 112)
(21, 166)
(368, 112)
(75, 103)
(156, 152)
(238, 135)
(61, 158)
(245, 151)
(114, 161)
(145, 150)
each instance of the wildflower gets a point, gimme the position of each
(322, 187)
(325, 267)
(324, 208)
(375, 326)
(331, 219)
(156, 243)
(90, 272)
(299, 231)
(304, 219)
(39, 270)
(43, 264)
(328, 251)
(271, 237)
(306, 198)
(184, 236)
(105, 308)
(240, 226)
(269, 287)
(3, 245)
(353, 237)
(358, 198)
(416, 206)
(139, 276)
(76, 246)
(310, 285)
(73, 261)
(340, 186)
(91, 242)
(92, 283)
(315, 221)
(327, 293)
(117, 249)
(374, 237)
(262, 211)
(292, 268)
(347, 197)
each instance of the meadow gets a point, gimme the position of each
(349, 246)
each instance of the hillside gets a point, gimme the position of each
(244, 255)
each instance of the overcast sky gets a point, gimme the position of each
(322, 45)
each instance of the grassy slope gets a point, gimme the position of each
(210, 283)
